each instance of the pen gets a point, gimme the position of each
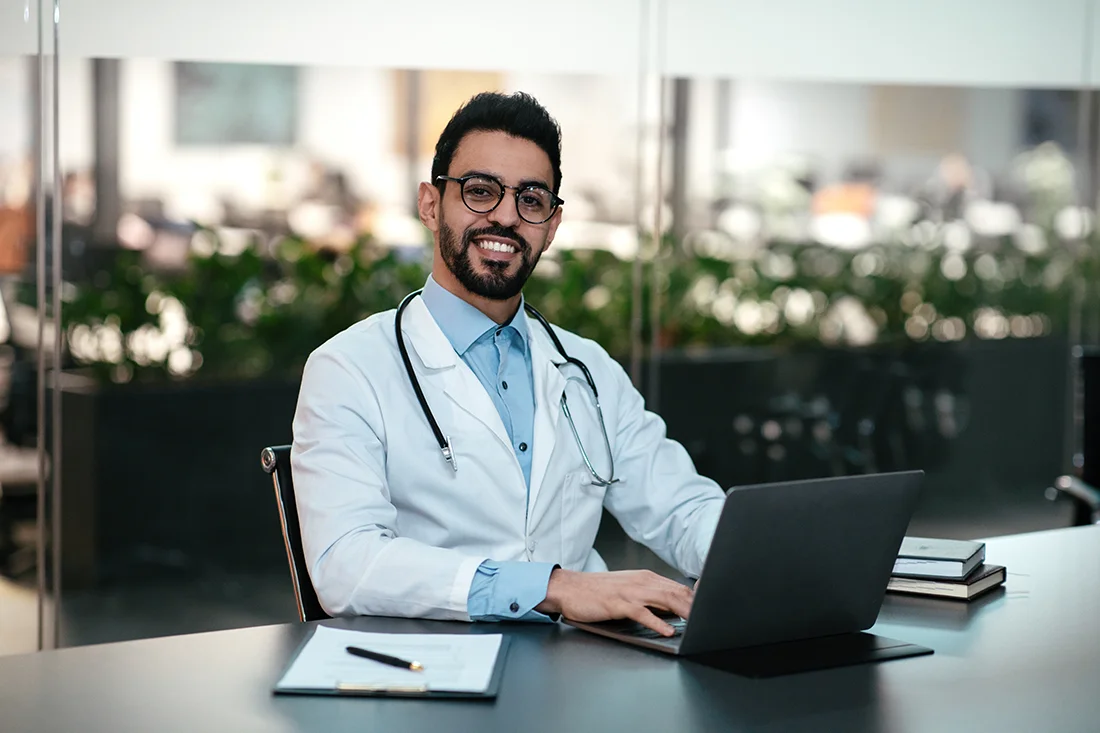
(385, 659)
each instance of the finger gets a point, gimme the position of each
(668, 595)
(646, 618)
(675, 601)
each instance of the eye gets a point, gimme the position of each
(481, 190)
(534, 199)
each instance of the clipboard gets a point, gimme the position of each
(416, 692)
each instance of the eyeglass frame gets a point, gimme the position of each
(556, 201)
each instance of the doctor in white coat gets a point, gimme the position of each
(493, 517)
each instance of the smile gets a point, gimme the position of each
(495, 245)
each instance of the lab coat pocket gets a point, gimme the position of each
(582, 508)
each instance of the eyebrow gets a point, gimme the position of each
(525, 183)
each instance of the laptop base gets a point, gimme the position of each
(807, 655)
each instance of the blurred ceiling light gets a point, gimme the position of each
(848, 321)
(194, 206)
(992, 219)
(204, 243)
(953, 267)
(724, 308)
(949, 329)
(741, 222)
(1021, 327)
(985, 267)
(395, 228)
(990, 323)
(778, 266)
(843, 231)
(313, 219)
(799, 308)
(619, 239)
(134, 232)
(895, 212)
(922, 234)
(234, 241)
(916, 328)
(769, 316)
(749, 318)
(956, 236)
(180, 361)
(1073, 222)
(597, 297)
(703, 292)
(868, 264)
(1030, 239)
(1055, 273)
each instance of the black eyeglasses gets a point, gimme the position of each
(482, 194)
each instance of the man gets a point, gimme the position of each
(500, 524)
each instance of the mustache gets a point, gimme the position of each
(496, 231)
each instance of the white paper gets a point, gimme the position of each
(452, 662)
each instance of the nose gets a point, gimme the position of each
(506, 214)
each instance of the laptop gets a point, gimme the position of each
(794, 561)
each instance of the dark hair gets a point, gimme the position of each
(519, 115)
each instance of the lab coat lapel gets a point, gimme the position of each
(548, 387)
(445, 369)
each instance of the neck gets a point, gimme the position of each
(500, 311)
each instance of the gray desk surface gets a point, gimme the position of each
(1026, 658)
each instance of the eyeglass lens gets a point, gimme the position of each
(535, 205)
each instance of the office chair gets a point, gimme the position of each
(276, 461)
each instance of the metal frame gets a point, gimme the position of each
(270, 462)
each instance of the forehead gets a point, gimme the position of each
(513, 159)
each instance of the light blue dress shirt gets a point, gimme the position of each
(500, 356)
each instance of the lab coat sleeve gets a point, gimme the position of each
(357, 562)
(661, 502)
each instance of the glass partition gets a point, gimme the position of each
(228, 209)
(899, 271)
(818, 247)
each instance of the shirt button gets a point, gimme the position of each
(514, 608)
(523, 447)
(504, 384)
(532, 545)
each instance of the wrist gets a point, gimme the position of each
(553, 602)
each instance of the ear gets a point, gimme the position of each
(555, 220)
(428, 203)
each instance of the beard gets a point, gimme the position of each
(496, 283)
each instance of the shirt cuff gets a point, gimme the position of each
(509, 591)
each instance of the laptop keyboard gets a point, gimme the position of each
(644, 632)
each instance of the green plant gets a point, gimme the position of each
(261, 313)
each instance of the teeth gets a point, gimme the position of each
(495, 246)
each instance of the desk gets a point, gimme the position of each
(1025, 658)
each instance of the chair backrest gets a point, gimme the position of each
(276, 461)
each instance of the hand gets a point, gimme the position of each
(624, 594)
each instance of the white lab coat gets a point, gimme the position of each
(390, 529)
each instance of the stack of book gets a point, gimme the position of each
(944, 568)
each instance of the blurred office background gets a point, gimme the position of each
(823, 238)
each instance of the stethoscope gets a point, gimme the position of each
(445, 441)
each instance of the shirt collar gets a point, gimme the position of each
(462, 323)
